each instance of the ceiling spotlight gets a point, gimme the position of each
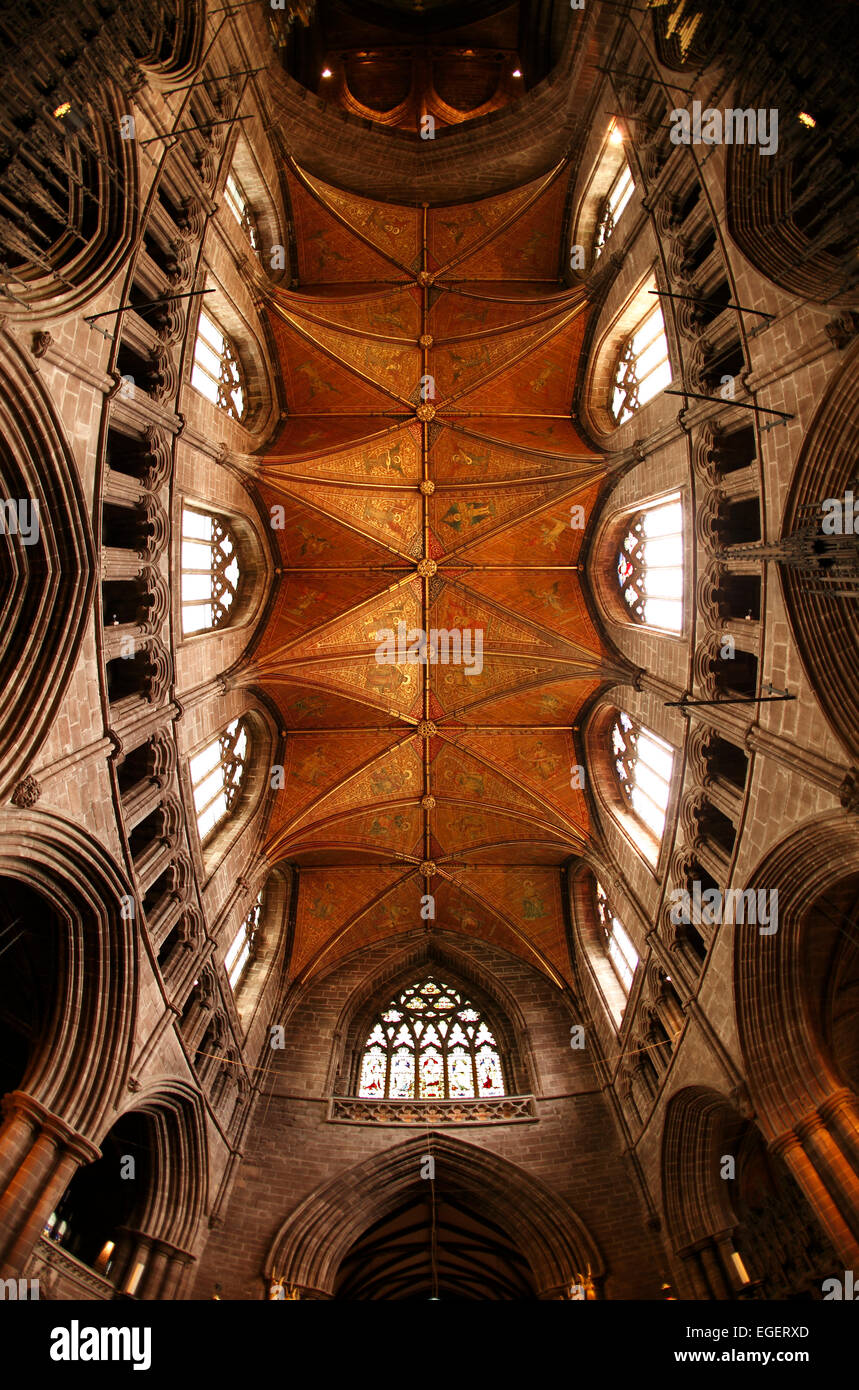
(63, 110)
(615, 135)
(517, 72)
(807, 120)
(326, 72)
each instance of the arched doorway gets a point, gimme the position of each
(67, 1000)
(132, 1215)
(736, 1217)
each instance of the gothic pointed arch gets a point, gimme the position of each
(312, 1243)
(818, 568)
(725, 1196)
(404, 967)
(79, 1059)
(132, 1213)
(46, 561)
(795, 988)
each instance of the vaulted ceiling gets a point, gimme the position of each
(394, 61)
(425, 476)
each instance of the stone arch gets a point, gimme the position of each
(733, 1212)
(602, 562)
(402, 969)
(311, 1244)
(81, 1064)
(178, 1191)
(243, 327)
(255, 570)
(796, 222)
(806, 1105)
(138, 1203)
(789, 1068)
(48, 572)
(591, 196)
(607, 344)
(697, 1119)
(86, 231)
(590, 939)
(269, 203)
(608, 800)
(825, 627)
(256, 790)
(172, 49)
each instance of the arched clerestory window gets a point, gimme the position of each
(210, 571)
(621, 952)
(238, 957)
(431, 1043)
(643, 367)
(217, 373)
(616, 200)
(643, 765)
(217, 774)
(650, 565)
(237, 201)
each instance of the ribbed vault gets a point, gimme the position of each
(427, 476)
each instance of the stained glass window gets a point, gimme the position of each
(643, 368)
(210, 571)
(431, 1043)
(650, 566)
(216, 775)
(216, 372)
(643, 764)
(237, 202)
(239, 954)
(621, 951)
(616, 200)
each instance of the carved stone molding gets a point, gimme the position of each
(705, 668)
(353, 1110)
(159, 673)
(849, 791)
(843, 328)
(160, 457)
(27, 793)
(156, 521)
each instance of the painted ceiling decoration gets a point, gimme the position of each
(424, 480)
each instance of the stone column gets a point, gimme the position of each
(810, 1162)
(44, 1170)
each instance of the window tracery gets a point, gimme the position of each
(650, 566)
(210, 571)
(217, 773)
(216, 372)
(237, 202)
(621, 952)
(616, 200)
(643, 368)
(431, 1043)
(238, 956)
(643, 765)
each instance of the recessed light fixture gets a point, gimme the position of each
(517, 72)
(63, 110)
(807, 120)
(326, 72)
(615, 134)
